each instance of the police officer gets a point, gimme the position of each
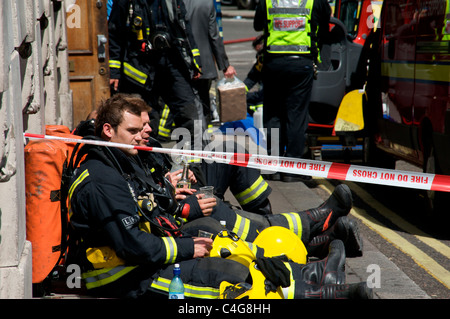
(153, 53)
(290, 51)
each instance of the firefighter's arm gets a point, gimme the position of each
(117, 30)
(202, 247)
(118, 222)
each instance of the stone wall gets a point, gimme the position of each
(34, 92)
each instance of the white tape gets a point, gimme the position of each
(321, 169)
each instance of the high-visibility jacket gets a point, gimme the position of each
(131, 27)
(289, 26)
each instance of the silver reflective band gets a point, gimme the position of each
(297, 11)
(288, 48)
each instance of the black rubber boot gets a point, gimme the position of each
(337, 205)
(344, 229)
(350, 291)
(330, 270)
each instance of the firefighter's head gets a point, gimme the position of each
(119, 120)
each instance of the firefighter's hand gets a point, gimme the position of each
(230, 72)
(202, 247)
(175, 176)
(182, 193)
(206, 204)
(114, 84)
(197, 75)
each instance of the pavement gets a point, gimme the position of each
(387, 280)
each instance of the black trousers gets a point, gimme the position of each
(287, 85)
(172, 82)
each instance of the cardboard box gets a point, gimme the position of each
(232, 101)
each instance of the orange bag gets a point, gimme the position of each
(44, 161)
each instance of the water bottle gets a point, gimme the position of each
(184, 182)
(176, 288)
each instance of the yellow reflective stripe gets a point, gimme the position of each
(134, 73)
(162, 130)
(98, 278)
(294, 222)
(433, 72)
(255, 107)
(252, 247)
(114, 64)
(241, 227)
(253, 192)
(398, 70)
(290, 291)
(164, 134)
(171, 249)
(189, 290)
(196, 52)
(77, 182)
(409, 70)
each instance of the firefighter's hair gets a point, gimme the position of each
(111, 110)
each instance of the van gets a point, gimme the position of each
(407, 111)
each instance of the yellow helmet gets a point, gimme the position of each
(279, 241)
(229, 245)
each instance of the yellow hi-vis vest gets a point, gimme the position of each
(289, 26)
(446, 29)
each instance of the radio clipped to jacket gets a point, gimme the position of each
(159, 39)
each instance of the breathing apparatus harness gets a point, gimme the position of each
(159, 37)
(164, 194)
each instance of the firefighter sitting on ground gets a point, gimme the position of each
(129, 238)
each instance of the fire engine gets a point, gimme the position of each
(407, 110)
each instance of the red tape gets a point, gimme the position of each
(265, 163)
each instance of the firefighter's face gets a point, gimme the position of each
(128, 132)
(146, 130)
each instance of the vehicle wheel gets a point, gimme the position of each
(246, 4)
(436, 202)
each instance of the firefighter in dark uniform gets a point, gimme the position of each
(290, 52)
(129, 237)
(152, 53)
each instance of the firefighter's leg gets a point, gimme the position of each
(306, 224)
(208, 224)
(246, 184)
(344, 229)
(317, 220)
(184, 103)
(201, 277)
(330, 270)
(275, 278)
(251, 191)
(302, 290)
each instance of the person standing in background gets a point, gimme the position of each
(291, 32)
(201, 15)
